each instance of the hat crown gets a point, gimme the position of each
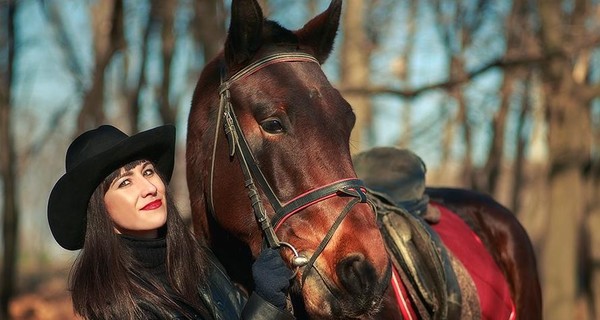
(92, 143)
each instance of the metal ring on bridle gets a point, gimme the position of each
(298, 260)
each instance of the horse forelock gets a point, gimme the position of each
(274, 33)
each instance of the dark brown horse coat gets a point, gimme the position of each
(297, 127)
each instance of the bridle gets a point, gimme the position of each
(352, 187)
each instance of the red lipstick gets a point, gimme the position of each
(153, 205)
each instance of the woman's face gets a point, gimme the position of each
(136, 201)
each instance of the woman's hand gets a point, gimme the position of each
(271, 277)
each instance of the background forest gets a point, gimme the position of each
(496, 95)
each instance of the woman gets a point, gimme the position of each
(138, 259)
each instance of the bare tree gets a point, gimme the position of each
(567, 114)
(132, 95)
(402, 71)
(167, 9)
(456, 29)
(517, 36)
(209, 26)
(520, 139)
(354, 68)
(107, 24)
(10, 208)
(592, 220)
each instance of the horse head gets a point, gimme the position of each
(269, 135)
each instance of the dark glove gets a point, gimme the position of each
(271, 277)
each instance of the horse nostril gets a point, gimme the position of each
(356, 274)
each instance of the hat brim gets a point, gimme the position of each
(68, 201)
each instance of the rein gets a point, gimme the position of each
(282, 211)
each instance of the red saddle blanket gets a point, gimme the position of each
(494, 294)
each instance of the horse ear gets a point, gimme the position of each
(319, 33)
(245, 31)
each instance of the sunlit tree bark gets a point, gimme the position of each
(354, 69)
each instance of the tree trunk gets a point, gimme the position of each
(462, 120)
(447, 141)
(520, 141)
(107, 25)
(519, 39)
(209, 26)
(167, 9)
(567, 116)
(493, 164)
(133, 95)
(355, 56)
(402, 70)
(10, 212)
(591, 223)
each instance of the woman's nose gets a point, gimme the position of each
(149, 188)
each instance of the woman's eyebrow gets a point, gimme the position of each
(127, 173)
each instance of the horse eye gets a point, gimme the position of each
(272, 126)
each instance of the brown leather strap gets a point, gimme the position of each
(419, 253)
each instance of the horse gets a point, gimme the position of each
(267, 127)
(266, 88)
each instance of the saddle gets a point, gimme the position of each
(421, 259)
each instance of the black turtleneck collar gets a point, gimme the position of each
(151, 254)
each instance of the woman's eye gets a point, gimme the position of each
(124, 183)
(148, 172)
(272, 126)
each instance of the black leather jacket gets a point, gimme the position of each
(224, 300)
(228, 302)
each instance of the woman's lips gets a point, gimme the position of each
(153, 205)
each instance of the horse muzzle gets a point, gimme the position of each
(354, 290)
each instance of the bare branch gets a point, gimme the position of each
(504, 64)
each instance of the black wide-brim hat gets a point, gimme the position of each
(90, 158)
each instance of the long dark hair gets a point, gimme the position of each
(106, 282)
